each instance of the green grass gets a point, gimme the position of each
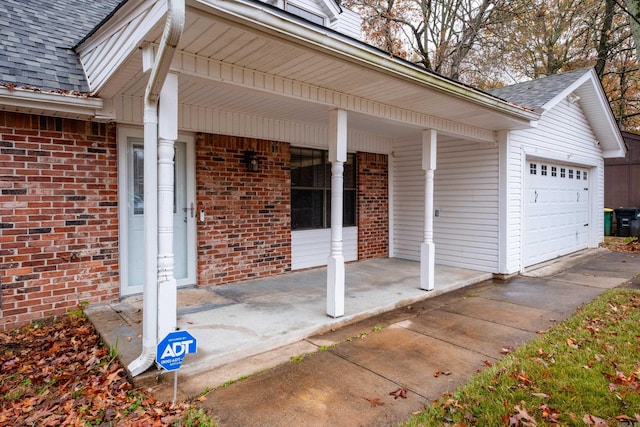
(586, 366)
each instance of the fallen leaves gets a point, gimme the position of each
(60, 373)
(401, 392)
(374, 401)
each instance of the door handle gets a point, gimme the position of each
(578, 196)
(191, 209)
(535, 200)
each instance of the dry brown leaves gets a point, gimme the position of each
(621, 244)
(59, 373)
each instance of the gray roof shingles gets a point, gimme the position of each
(536, 93)
(37, 39)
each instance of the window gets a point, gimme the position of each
(570, 173)
(311, 189)
(309, 16)
(578, 175)
(138, 179)
(562, 172)
(533, 169)
(543, 170)
(554, 171)
(584, 176)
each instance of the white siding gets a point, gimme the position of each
(466, 196)
(408, 200)
(564, 135)
(348, 23)
(310, 248)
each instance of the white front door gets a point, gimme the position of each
(131, 199)
(557, 206)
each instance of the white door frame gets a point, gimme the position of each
(123, 137)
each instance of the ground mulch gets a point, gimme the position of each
(58, 372)
(621, 244)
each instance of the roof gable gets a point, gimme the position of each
(36, 41)
(582, 86)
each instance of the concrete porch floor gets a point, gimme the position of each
(238, 326)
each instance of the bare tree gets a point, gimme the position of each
(438, 34)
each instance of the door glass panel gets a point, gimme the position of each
(138, 179)
(135, 209)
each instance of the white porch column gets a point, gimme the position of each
(167, 136)
(335, 263)
(427, 249)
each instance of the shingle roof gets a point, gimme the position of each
(37, 37)
(536, 93)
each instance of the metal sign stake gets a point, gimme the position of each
(175, 386)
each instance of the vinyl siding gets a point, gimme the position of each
(563, 135)
(466, 196)
(310, 248)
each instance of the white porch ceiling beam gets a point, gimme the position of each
(205, 68)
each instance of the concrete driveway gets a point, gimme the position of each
(347, 376)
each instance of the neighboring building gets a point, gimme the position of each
(258, 108)
(622, 176)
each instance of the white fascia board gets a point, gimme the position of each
(567, 91)
(265, 18)
(609, 138)
(105, 51)
(50, 103)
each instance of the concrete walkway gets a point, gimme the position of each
(236, 321)
(348, 372)
(453, 333)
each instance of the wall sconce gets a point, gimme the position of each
(251, 160)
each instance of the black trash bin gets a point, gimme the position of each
(624, 216)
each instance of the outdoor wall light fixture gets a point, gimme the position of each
(251, 160)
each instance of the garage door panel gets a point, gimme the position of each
(556, 210)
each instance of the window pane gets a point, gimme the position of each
(349, 206)
(306, 168)
(138, 179)
(306, 209)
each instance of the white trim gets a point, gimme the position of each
(205, 68)
(503, 201)
(46, 103)
(338, 45)
(567, 158)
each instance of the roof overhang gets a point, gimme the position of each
(588, 91)
(248, 57)
(49, 103)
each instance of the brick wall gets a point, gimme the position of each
(58, 216)
(246, 233)
(373, 205)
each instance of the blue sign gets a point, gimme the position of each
(172, 349)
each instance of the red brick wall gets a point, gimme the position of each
(373, 205)
(246, 233)
(58, 216)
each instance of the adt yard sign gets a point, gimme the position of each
(172, 349)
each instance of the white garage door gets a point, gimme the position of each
(556, 210)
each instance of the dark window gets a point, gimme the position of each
(311, 189)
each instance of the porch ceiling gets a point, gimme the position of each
(248, 51)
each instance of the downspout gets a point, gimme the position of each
(173, 29)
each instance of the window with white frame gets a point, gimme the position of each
(311, 189)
